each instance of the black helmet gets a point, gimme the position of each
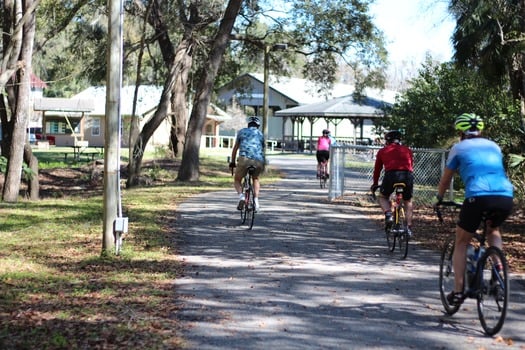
(254, 120)
(393, 136)
(326, 132)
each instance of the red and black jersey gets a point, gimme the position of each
(393, 156)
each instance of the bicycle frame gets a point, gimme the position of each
(248, 211)
(398, 209)
(398, 230)
(489, 284)
(322, 174)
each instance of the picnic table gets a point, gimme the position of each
(90, 151)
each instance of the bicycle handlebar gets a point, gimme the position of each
(373, 190)
(437, 208)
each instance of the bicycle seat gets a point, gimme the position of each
(492, 215)
(399, 186)
(251, 169)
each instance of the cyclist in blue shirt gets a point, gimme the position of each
(479, 162)
(250, 144)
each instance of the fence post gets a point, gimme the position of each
(337, 178)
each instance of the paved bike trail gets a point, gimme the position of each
(313, 275)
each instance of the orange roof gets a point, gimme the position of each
(36, 82)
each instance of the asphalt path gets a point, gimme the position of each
(314, 275)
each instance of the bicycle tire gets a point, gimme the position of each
(402, 234)
(390, 238)
(493, 293)
(250, 203)
(322, 176)
(446, 275)
(244, 212)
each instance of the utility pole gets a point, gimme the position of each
(266, 94)
(112, 123)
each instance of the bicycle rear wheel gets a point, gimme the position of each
(250, 204)
(402, 235)
(322, 176)
(493, 296)
(244, 211)
(446, 276)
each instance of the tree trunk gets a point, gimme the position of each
(189, 169)
(33, 183)
(179, 118)
(20, 110)
(178, 75)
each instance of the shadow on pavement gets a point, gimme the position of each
(313, 275)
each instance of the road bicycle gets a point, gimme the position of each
(397, 231)
(323, 174)
(248, 209)
(486, 276)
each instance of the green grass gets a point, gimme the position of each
(57, 291)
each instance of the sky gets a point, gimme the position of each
(414, 27)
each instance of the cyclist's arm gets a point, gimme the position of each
(234, 151)
(377, 168)
(444, 183)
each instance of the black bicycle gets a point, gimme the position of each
(486, 276)
(397, 231)
(248, 209)
(323, 174)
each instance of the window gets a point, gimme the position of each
(55, 127)
(95, 126)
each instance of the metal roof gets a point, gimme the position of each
(341, 107)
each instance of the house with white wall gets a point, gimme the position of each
(287, 92)
(82, 117)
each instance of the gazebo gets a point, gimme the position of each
(356, 109)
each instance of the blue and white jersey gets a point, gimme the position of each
(480, 164)
(251, 143)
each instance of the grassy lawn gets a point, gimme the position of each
(58, 292)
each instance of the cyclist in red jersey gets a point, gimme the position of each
(398, 163)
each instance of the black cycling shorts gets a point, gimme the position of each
(475, 207)
(395, 176)
(322, 156)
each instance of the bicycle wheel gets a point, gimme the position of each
(390, 238)
(402, 235)
(446, 276)
(244, 211)
(322, 176)
(250, 205)
(493, 294)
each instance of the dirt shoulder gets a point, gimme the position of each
(430, 233)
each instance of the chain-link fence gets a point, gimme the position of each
(352, 167)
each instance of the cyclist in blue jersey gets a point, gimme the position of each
(250, 144)
(479, 162)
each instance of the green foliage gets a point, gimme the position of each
(426, 111)
(320, 36)
(327, 29)
(27, 173)
(517, 175)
